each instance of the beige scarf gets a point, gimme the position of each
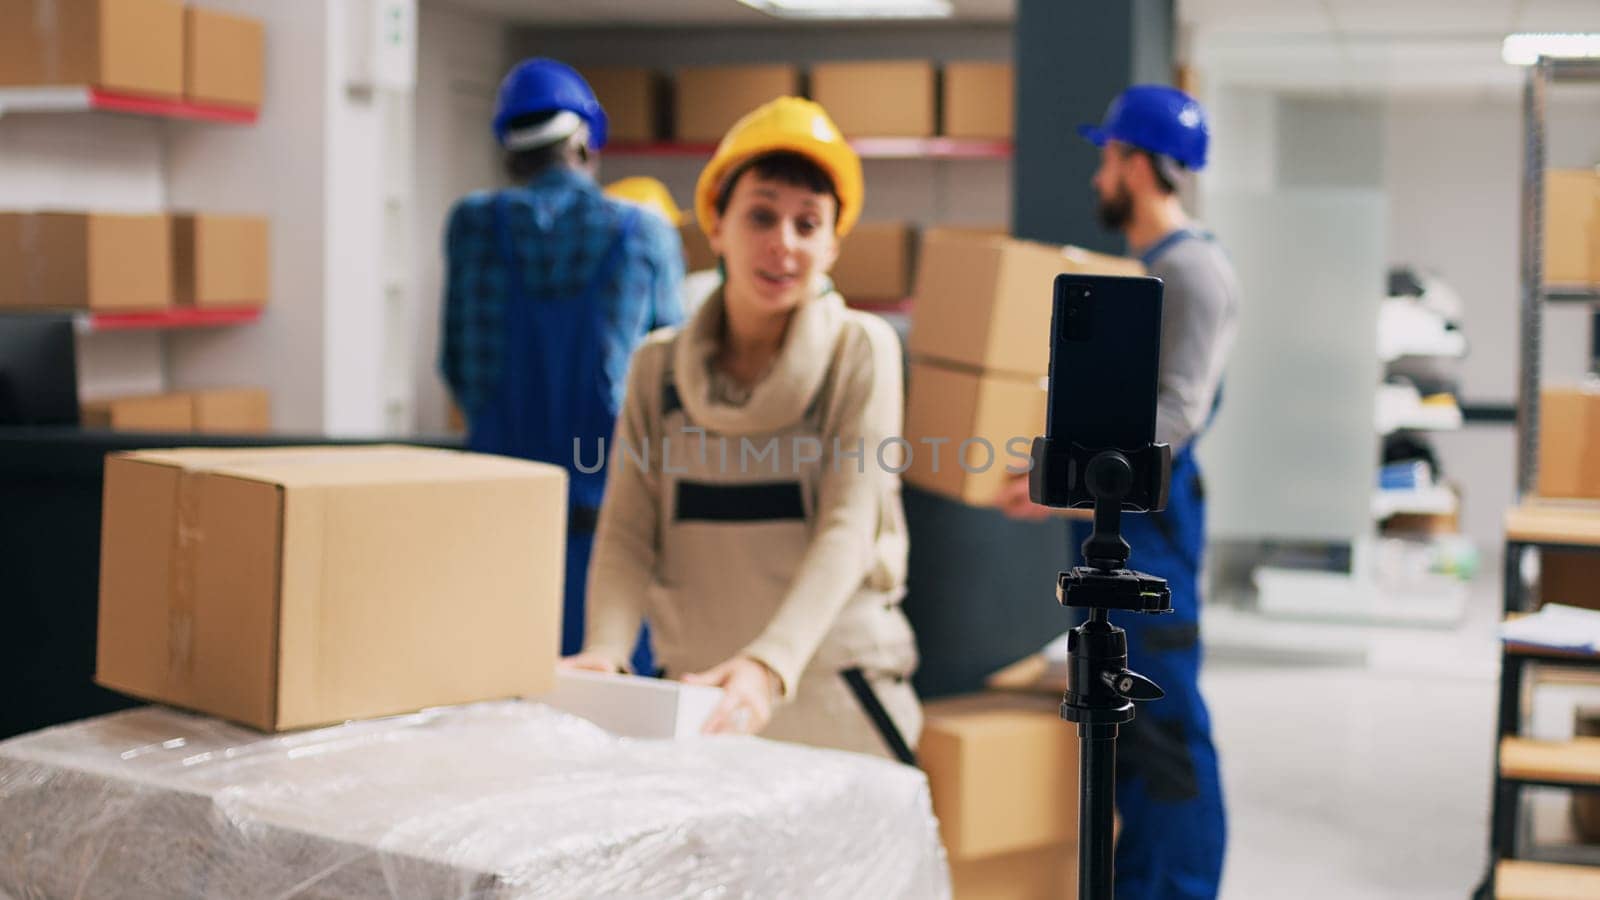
(778, 400)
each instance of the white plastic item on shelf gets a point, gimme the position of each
(1343, 597)
(1556, 627)
(1408, 328)
(492, 800)
(1399, 406)
(630, 706)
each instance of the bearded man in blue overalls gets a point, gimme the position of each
(1169, 789)
(550, 287)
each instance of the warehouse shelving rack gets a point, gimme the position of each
(1522, 762)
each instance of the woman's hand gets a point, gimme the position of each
(749, 691)
(588, 662)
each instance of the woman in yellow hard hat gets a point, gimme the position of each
(753, 514)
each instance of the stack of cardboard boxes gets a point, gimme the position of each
(1569, 468)
(157, 49)
(980, 356)
(1003, 771)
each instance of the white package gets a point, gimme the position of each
(630, 706)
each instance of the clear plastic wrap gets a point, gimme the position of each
(502, 799)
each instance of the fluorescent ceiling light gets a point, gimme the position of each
(853, 9)
(1525, 49)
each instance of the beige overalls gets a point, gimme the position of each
(765, 522)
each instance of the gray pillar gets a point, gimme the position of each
(1073, 56)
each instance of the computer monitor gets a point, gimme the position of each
(38, 370)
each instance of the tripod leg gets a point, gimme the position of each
(1097, 768)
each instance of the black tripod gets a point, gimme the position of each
(1101, 689)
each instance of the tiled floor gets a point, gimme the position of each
(1366, 780)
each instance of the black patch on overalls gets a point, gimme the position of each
(768, 501)
(1157, 750)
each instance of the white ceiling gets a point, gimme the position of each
(1450, 46)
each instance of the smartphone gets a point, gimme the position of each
(1105, 361)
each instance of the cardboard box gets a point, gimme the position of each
(984, 301)
(874, 264)
(131, 46)
(1003, 770)
(150, 412)
(630, 706)
(1044, 873)
(697, 252)
(631, 98)
(877, 99)
(707, 100)
(289, 587)
(221, 260)
(1571, 210)
(1569, 443)
(85, 261)
(232, 411)
(957, 407)
(224, 58)
(979, 100)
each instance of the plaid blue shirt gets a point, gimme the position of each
(562, 226)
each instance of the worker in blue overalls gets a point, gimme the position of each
(550, 286)
(1169, 790)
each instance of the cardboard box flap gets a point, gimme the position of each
(325, 466)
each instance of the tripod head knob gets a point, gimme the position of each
(1132, 685)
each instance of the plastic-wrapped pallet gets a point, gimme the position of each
(491, 800)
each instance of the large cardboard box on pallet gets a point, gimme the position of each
(967, 427)
(289, 587)
(707, 100)
(221, 260)
(91, 261)
(888, 98)
(874, 264)
(984, 301)
(979, 100)
(631, 98)
(224, 58)
(1003, 770)
(128, 46)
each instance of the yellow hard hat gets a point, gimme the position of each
(649, 193)
(792, 124)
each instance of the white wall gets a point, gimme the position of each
(460, 61)
(354, 314)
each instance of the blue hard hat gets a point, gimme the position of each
(1156, 118)
(547, 86)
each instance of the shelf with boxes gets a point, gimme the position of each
(145, 57)
(890, 109)
(126, 271)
